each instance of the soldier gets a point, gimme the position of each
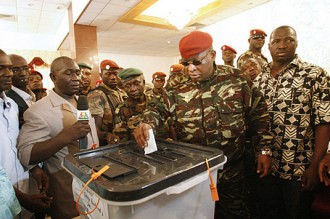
(228, 55)
(298, 100)
(158, 80)
(177, 75)
(104, 99)
(256, 41)
(213, 108)
(251, 68)
(86, 78)
(128, 114)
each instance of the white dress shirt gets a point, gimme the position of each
(8, 135)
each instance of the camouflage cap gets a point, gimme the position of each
(128, 73)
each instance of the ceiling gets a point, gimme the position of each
(114, 36)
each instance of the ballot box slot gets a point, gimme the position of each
(117, 169)
(166, 154)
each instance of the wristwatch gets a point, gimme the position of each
(266, 151)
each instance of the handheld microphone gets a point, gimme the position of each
(83, 115)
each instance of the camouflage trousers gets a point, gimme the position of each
(232, 192)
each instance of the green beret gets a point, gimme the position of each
(128, 73)
(84, 65)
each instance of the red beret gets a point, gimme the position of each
(98, 82)
(108, 64)
(225, 47)
(194, 43)
(33, 72)
(257, 32)
(158, 75)
(176, 67)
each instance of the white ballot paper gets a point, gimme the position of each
(152, 147)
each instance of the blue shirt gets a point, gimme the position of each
(9, 205)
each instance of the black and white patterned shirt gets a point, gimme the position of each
(298, 99)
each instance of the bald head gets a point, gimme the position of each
(17, 60)
(60, 62)
(4, 59)
(284, 27)
(66, 76)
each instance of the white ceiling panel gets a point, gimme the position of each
(125, 3)
(8, 10)
(54, 7)
(103, 1)
(45, 16)
(26, 12)
(95, 7)
(4, 3)
(114, 10)
(8, 26)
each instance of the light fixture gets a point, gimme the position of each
(179, 13)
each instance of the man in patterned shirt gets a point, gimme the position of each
(256, 41)
(212, 107)
(297, 96)
(103, 101)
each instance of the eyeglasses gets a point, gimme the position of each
(17, 70)
(194, 62)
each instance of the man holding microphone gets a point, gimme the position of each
(51, 131)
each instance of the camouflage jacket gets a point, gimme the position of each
(99, 105)
(151, 93)
(129, 115)
(249, 54)
(214, 113)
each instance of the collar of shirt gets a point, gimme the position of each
(28, 98)
(4, 101)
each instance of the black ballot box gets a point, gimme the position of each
(172, 182)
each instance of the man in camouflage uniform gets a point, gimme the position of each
(256, 41)
(103, 101)
(158, 80)
(297, 95)
(228, 55)
(213, 108)
(128, 113)
(86, 78)
(177, 75)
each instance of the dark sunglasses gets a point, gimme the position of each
(194, 62)
(256, 37)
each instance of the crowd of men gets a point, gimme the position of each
(271, 120)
